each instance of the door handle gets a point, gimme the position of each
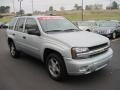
(13, 34)
(24, 37)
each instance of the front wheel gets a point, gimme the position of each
(55, 66)
(14, 53)
(114, 35)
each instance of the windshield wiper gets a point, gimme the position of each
(67, 30)
(54, 31)
(73, 30)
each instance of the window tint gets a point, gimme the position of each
(20, 24)
(12, 23)
(31, 24)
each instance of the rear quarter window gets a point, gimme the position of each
(12, 23)
(20, 24)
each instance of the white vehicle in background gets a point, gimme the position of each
(86, 25)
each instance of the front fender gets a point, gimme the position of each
(62, 49)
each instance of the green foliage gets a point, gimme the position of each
(115, 5)
(5, 19)
(4, 9)
(21, 12)
(77, 7)
(51, 8)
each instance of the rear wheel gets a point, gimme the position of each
(14, 53)
(55, 66)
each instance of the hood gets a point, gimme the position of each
(79, 39)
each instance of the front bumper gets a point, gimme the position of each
(107, 35)
(86, 66)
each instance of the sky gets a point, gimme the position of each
(43, 5)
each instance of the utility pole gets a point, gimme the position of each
(14, 7)
(110, 4)
(32, 7)
(20, 6)
(82, 11)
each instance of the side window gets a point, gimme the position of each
(20, 24)
(12, 23)
(31, 25)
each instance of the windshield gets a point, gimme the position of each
(110, 24)
(56, 24)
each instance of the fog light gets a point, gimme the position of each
(85, 70)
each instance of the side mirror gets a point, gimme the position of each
(33, 32)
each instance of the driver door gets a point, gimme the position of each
(31, 42)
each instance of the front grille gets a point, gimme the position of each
(98, 53)
(98, 46)
(100, 32)
(99, 49)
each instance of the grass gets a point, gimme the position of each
(92, 15)
(5, 19)
(88, 15)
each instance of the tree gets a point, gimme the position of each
(21, 12)
(87, 7)
(115, 5)
(7, 9)
(77, 7)
(94, 7)
(51, 8)
(4, 9)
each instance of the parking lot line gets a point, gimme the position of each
(115, 40)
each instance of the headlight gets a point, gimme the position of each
(79, 52)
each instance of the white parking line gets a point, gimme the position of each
(115, 40)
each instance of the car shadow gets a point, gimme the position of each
(92, 77)
(31, 60)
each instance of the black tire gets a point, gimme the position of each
(58, 71)
(14, 53)
(114, 35)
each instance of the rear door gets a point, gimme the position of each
(18, 33)
(10, 30)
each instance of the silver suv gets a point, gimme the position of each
(59, 44)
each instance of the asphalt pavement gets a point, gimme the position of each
(28, 73)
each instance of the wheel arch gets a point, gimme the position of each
(47, 51)
(88, 30)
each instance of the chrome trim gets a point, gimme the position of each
(93, 52)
